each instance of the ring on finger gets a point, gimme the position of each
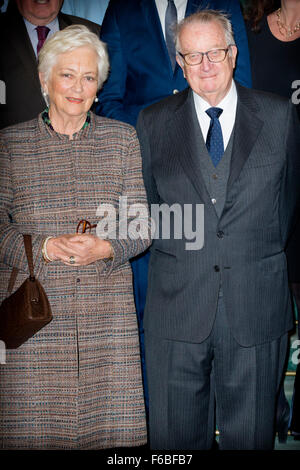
(72, 260)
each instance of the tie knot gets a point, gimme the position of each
(214, 113)
(42, 32)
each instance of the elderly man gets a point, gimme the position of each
(24, 28)
(222, 307)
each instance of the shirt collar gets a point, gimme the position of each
(54, 25)
(228, 101)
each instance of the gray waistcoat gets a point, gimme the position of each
(216, 178)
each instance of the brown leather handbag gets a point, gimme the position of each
(25, 311)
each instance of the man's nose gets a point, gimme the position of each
(205, 64)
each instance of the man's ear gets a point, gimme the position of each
(234, 53)
(180, 62)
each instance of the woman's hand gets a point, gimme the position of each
(84, 248)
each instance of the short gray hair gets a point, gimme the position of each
(67, 40)
(206, 16)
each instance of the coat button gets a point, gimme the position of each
(217, 268)
(220, 234)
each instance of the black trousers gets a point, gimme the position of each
(245, 382)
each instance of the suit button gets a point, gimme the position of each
(220, 234)
(175, 91)
(217, 268)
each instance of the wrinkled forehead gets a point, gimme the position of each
(200, 36)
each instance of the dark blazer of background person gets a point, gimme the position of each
(141, 71)
(18, 66)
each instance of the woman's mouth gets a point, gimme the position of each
(74, 100)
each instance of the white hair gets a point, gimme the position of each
(206, 16)
(67, 40)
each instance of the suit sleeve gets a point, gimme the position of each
(112, 95)
(243, 68)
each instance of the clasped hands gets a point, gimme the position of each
(81, 248)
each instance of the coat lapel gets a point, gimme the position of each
(194, 5)
(152, 20)
(185, 133)
(246, 130)
(23, 47)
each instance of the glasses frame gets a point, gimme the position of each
(202, 54)
(84, 225)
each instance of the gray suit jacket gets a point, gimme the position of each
(18, 67)
(244, 247)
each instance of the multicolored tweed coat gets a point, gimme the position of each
(77, 383)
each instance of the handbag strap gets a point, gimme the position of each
(28, 251)
(14, 273)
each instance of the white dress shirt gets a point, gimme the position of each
(227, 118)
(161, 6)
(32, 32)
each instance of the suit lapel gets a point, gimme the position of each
(194, 5)
(152, 20)
(185, 133)
(246, 130)
(23, 47)
(63, 20)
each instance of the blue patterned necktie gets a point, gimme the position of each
(214, 140)
(171, 19)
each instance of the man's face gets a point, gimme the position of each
(39, 12)
(211, 81)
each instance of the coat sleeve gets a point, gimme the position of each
(12, 251)
(133, 233)
(243, 68)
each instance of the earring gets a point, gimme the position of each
(45, 95)
(96, 99)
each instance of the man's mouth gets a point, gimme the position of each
(41, 2)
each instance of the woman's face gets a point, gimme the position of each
(72, 85)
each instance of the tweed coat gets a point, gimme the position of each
(77, 383)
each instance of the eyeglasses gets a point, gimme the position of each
(214, 56)
(84, 225)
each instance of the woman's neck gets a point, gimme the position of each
(63, 124)
(283, 22)
(290, 12)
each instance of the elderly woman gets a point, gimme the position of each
(76, 384)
